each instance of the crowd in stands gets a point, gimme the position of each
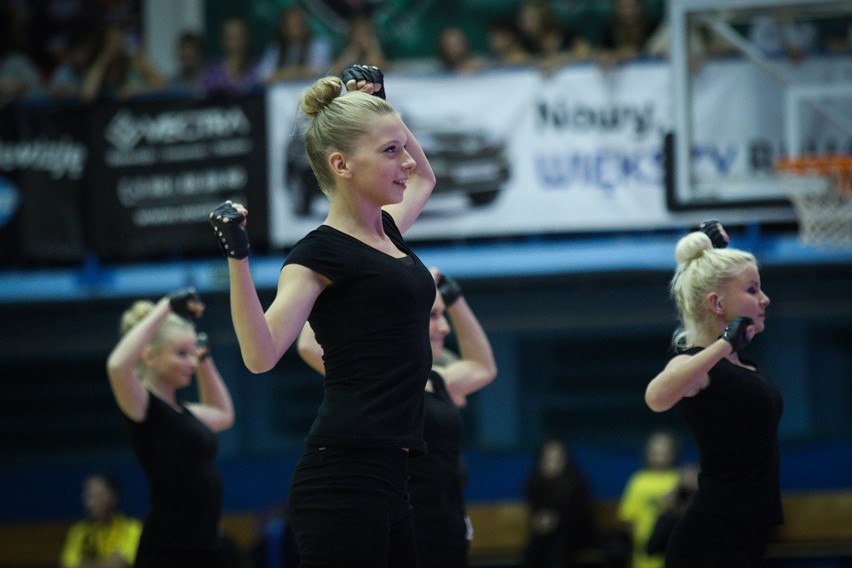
(94, 50)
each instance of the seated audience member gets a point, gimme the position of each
(362, 46)
(549, 44)
(19, 75)
(504, 45)
(626, 34)
(455, 54)
(106, 538)
(189, 52)
(296, 52)
(235, 73)
(75, 59)
(121, 68)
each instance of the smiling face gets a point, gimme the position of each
(173, 360)
(380, 165)
(743, 296)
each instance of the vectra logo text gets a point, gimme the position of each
(127, 130)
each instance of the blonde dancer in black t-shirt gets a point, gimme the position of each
(730, 406)
(436, 480)
(367, 296)
(174, 441)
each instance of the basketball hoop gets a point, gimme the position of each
(820, 189)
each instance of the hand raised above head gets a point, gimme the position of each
(714, 229)
(366, 78)
(186, 303)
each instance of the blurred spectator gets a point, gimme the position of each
(627, 33)
(560, 504)
(673, 508)
(106, 538)
(78, 54)
(455, 54)
(645, 493)
(362, 46)
(777, 33)
(296, 52)
(19, 75)
(235, 72)
(190, 65)
(121, 68)
(836, 35)
(504, 44)
(546, 40)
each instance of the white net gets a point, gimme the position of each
(821, 194)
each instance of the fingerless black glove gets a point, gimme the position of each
(449, 289)
(179, 302)
(227, 225)
(735, 332)
(369, 73)
(713, 229)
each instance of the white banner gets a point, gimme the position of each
(517, 152)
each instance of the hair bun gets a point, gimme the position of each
(321, 94)
(692, 246)
(135, 314)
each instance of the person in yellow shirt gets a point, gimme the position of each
(106, 538)
(645, 493)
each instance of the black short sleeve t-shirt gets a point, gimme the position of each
(734, 422)
(373, 325)
(177, 452)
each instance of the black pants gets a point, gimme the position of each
(349, 508)
(707, 541)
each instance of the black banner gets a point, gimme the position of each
(43, 157)
(158, 167)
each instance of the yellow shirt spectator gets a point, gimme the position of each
(106, 538)
(644, 493)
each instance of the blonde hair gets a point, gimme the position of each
(337, 123)
(701, 269)
(140, 309)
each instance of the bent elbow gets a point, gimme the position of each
(257, 366)
(655, 402)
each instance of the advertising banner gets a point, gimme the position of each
(514, 152)
(43, 158)
(159, 167)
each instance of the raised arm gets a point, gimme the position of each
(687, 375)
(475, 367)
(263, 337)
(215, 410)
(126, 384)
(421, 182)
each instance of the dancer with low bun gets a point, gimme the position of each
(730, 406)
(174, 441)
(368, 298)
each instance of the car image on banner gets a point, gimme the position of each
(466, 162)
